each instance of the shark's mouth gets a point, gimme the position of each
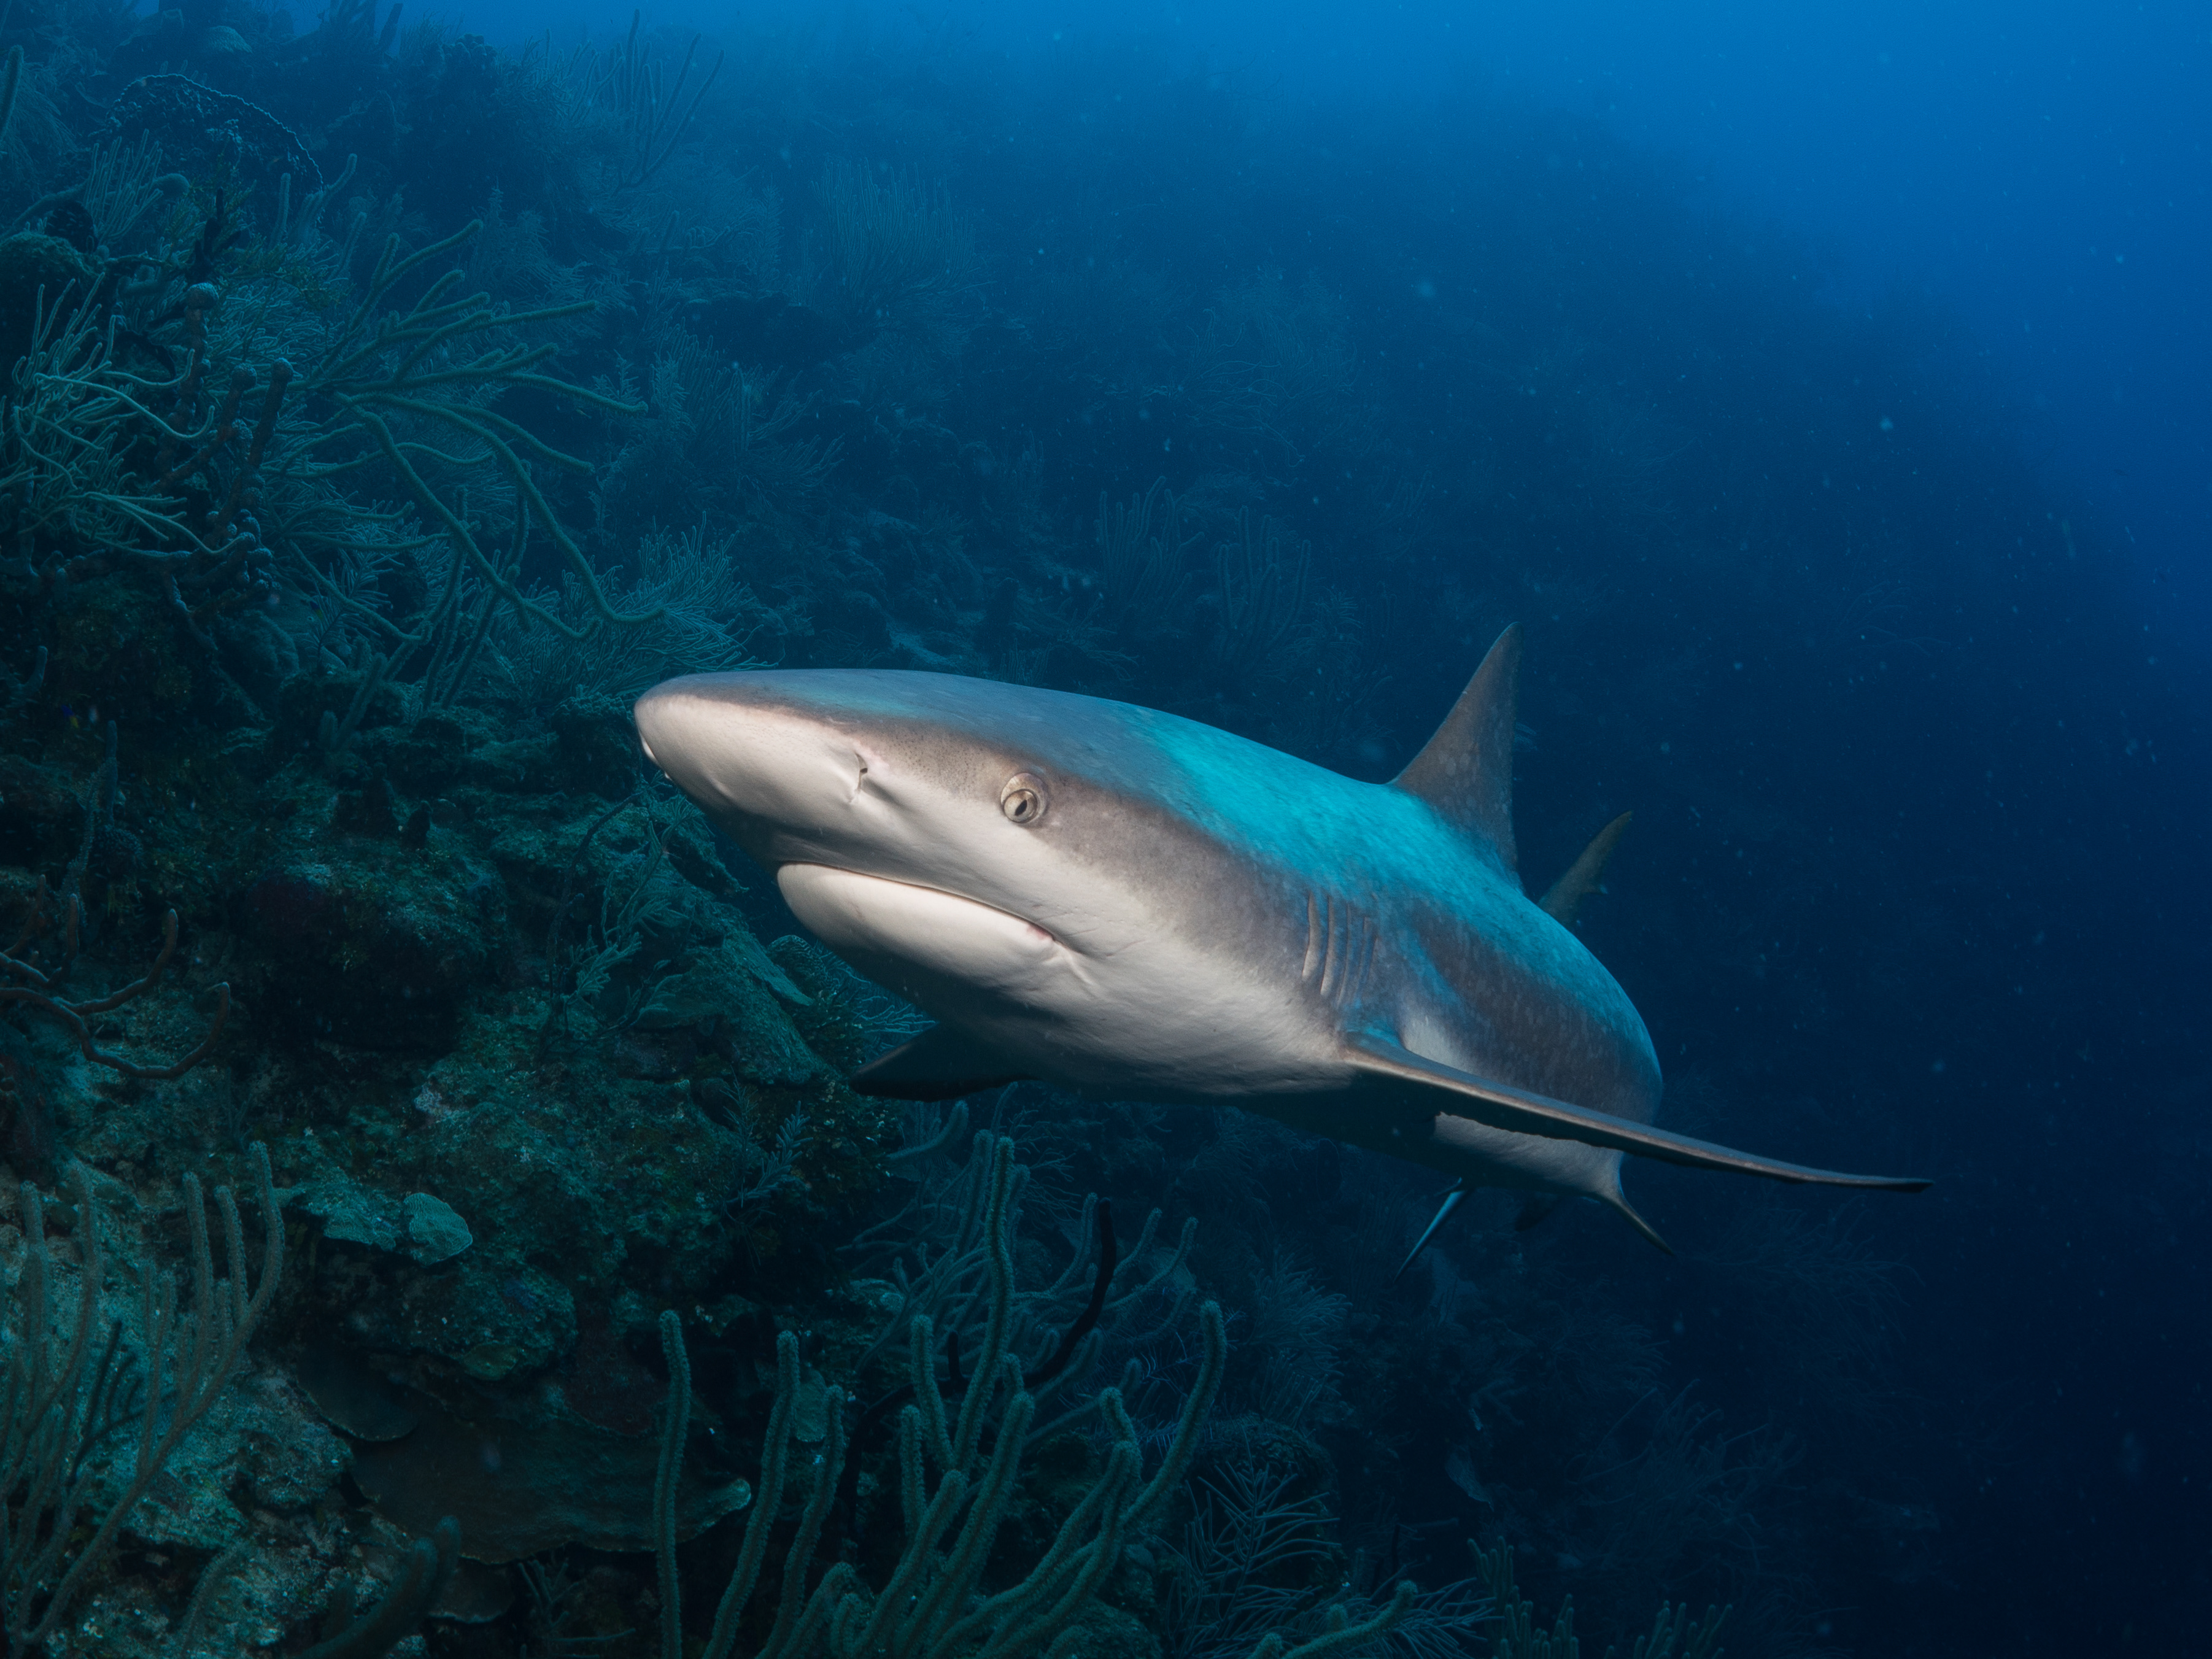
(933, 935)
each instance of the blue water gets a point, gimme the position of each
(2044, 170)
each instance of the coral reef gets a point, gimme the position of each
(926, 1603)
(62, 1404)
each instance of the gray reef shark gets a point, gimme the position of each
(1140, 906)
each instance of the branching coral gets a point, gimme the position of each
(1145, 562)
(710, 621)
(1246, 1552)
(1835, 1301)
(90, 473)
(423, 1573)
(1263, 576)
(636, 898)
(721, 437)
(1254, 1571)
(40, 991)
(626, 87)
(949, 1219)
(228, 486)
(1689, 1494)
(1297, 1328)
(60, 1398)
(930, 1604)
(122, 187)
(401, 380)
(899, 253)
(1520, 1637)
(1276, 364)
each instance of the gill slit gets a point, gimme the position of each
(1340, 948)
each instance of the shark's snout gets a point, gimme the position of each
(652, 714)
(757, 768)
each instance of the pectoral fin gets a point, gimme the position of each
(941, 1064)
(1463, 1095)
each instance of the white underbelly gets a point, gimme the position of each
(1145, 1014)
(936, 937)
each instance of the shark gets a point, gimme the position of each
(1138, 906)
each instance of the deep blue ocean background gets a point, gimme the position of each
(1916, 295)
(1827, 391)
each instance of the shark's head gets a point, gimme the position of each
(972, 844)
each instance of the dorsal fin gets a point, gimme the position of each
(1466, 770)
(1583, 875)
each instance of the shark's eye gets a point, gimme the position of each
(1023, 799)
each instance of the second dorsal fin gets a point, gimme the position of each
(1568, 892)
(1466, 770)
